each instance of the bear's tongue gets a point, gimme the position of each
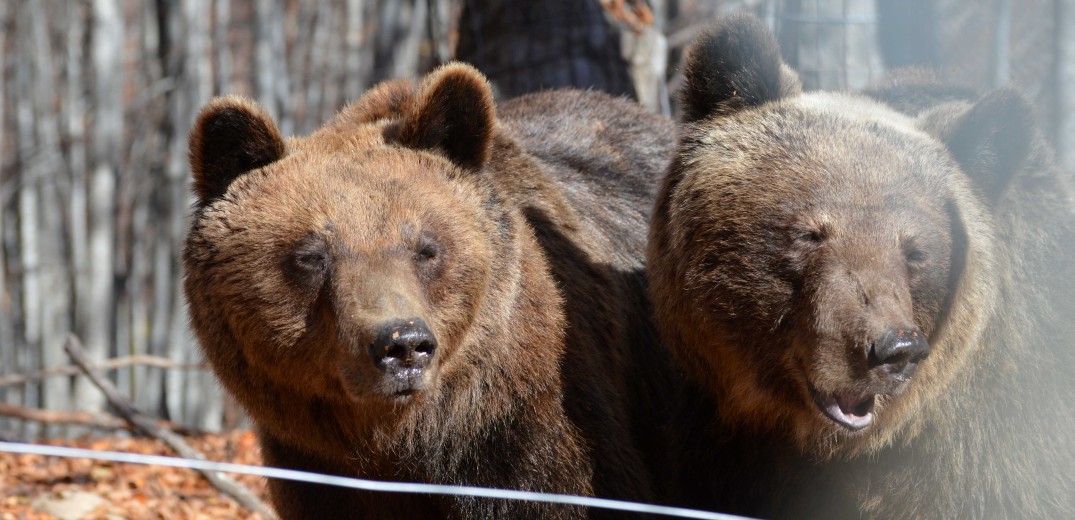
(853, 410)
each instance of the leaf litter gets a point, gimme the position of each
(134, 491)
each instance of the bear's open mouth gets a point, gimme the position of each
(853, 410)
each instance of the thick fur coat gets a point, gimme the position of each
(875, 305)
(424, 290)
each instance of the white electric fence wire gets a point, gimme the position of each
(355, 483)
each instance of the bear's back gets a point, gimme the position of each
(604, 154)
(597, 164)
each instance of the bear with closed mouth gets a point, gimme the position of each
(388, 296)
(872, 305)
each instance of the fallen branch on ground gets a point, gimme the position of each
(129, 413)
(111, 364)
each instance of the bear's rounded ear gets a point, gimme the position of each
(734, 64)
(387, 100)
(992, 139)
(913, 90)
(231, 136)
(453, 114)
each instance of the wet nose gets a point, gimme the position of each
(898, 350)
(403, 344)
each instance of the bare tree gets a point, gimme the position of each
(97, 98)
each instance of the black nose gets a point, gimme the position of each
(403, 344)
(898, 350)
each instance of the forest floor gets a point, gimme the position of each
(33, 485)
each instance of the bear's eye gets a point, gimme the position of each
(428, 257)
(427, 251)
(314, 261)
(811, 236)
(309, 260)
(914, 254)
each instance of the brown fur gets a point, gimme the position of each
(502, 234)
(793, 229)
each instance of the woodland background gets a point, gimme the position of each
(97, 98)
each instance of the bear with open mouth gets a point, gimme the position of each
(873, 306)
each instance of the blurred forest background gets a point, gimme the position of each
(97, 98)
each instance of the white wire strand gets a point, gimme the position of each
(355, 483)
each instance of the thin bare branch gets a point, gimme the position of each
(111, 364)
(94, 420)
(125, 409)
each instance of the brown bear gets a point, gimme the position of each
(875, 309)
(424, 291)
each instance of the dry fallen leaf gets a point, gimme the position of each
(131, 490)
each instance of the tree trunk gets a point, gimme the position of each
(97, 310)
(1065, 83)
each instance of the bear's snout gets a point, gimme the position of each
(897, 352)
(402, 346)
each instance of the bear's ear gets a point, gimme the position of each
(452, 113)
(912, 90)
(385, 101)
(735, 64)
(992, 139)
(231, 136)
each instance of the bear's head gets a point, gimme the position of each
(346, 266)
(816, 260)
